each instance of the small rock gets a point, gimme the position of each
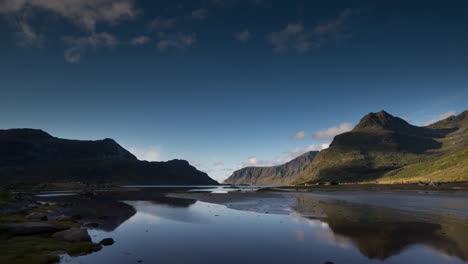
(73, 235)
(63, 218)
(77, 216)
(107, 242)
(329, 262)
(31, 228)
(37, 216)
(434, 183)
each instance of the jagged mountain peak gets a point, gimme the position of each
(381, 120)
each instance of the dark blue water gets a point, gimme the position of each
(209, 233)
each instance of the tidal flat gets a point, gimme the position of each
(244, 225)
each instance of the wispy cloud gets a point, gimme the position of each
(79, 45)
(439, 118)
(299, 135)
(243, 36)
(26, 35)
(331, 132)
(140, 40)
(177, 40)
(199, 13)
(84, 13)
(168, 38)
(295, 36)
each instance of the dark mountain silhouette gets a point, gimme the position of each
(32, 155)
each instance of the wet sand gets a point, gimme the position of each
(450, 204)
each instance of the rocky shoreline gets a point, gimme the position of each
(59, 225)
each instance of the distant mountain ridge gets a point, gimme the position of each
(32, 155)
(281, 174)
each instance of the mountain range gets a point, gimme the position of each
(282, 174)
(32, 155)
(380, 148)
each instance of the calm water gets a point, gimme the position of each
(201, 232)
(203, 188)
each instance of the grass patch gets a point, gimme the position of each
(35, 249)
(6, 197)
(451, 167)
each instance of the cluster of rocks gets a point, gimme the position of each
(39, 226)
(431, 183)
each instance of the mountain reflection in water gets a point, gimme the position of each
(186, 231)
(380, 233)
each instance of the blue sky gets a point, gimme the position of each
(227, 83)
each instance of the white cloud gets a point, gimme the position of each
(78, 45)
(84, 13)
(177, 40)
(299, 135)
(253, 161)
(331, 132)
(243, 36)
(295, 36)
(140, 40)
(317, 147)
(218, 163)
(199, 14)
(150, 153)
(440, 117)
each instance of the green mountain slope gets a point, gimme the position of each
(382, 147)
(448, 167)
(282, 174)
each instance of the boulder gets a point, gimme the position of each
(32, 228)
(63, 218)
(37, 216)
(73, 235)
(434, 183)
(107, 241)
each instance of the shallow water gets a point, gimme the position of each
(201, 188)
(312, 231)
(55, 194)
(225, 189)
